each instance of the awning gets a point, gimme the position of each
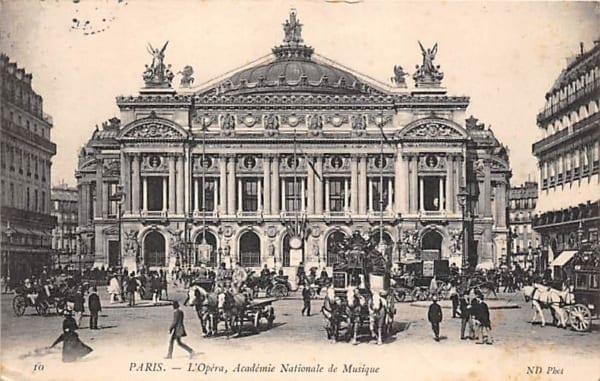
(563, 258)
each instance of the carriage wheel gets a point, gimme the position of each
(580, 317)
(422, 295)
(42, 308)
(19, 305)
(280, 291)
(400, 296)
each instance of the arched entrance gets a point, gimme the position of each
(332, 241)
(208, 258)
(249, 249)
(387, 239)
(154, 250)
(431, 245)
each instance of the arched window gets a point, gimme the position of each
(332, 241)
(431, 245)
(208, 258)
(249, 250)
(154, 249)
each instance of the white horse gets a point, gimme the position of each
(546, 297)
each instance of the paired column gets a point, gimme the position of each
(239, 195)
(135, 184)
(99, 206)
(319, 185)
(421, 195)
(145, 194)
(267, 183)
(501, 204)
(371, 195)
(346, 203)
(487, 183)
(451, 198)
(310, 185)
(231, 190)
(126, 181)
(172, 184)
(180, 196)
(196, 195)
(164, 195)
(390, 206)
(105, 203)
(275, 196)
(441, 198)
(354, 184)
(362, 185)
(326, 195)
(413, 184)
(302, 195)
(222, 184)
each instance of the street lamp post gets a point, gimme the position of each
(462, 200)
(119, 197)
(9, 233)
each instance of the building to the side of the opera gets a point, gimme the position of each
(294, 160)
(567, 211)
(26, 153)
(525, 242)
(64, 236)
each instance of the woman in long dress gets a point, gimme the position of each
(114, 289)
(73, 347)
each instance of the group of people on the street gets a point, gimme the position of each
(473, 312)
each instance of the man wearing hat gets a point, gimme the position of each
(434, 316)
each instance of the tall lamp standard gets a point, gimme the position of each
(462, 200)
(119, 197)
(9, 232)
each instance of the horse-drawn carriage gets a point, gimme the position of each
(232, 307)
(579, 300)
(277, 286)
(416, 281)
(44, 298)
(360, 292)
(586, 288)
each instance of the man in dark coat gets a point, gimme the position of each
(73, 347)
(306, 299)
(131, 289)
(78, 309)
(95, 307)
(177, 331)
(482, 314)
(435, 317)
(465, 316)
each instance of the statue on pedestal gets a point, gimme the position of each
(428, 74)
(157, 74)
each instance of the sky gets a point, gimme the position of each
(504, 56)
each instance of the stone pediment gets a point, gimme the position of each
(433, 129)
(153, 128)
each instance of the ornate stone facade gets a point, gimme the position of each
(293, 147)
(568, 208)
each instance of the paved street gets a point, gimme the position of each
(139, 335)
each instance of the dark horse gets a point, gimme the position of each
(234, 307)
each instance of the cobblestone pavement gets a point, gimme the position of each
(131, 336)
